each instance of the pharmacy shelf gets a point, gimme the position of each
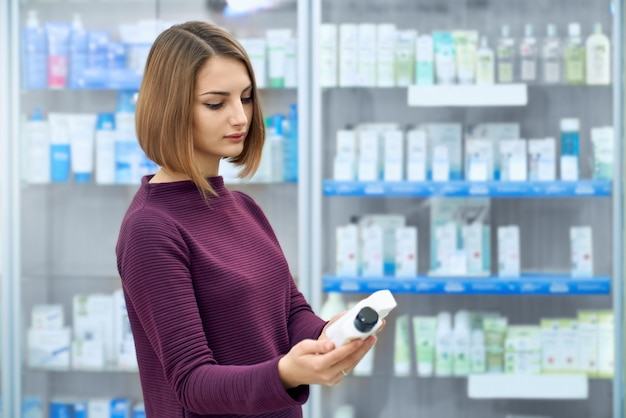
(461, 188)
(468, 95)
(494, 386)
(527, 284)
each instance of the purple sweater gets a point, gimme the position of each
(211, 302)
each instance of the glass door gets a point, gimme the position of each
(78, 165)
(458, 163)
(5, 210)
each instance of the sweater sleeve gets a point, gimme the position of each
(153, 262)
(303, 323)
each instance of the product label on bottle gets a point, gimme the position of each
(505, 72)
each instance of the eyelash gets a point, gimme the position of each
(217, 106)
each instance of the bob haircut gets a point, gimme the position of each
(163, 115)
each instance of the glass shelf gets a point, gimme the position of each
(527, 284)
(461, 188)
(468, 95)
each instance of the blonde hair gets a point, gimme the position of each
(163, 115)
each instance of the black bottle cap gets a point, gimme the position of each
(366, 319)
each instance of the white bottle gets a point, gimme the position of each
(38, 156)
(402, 347)
(506, 56)
(333, 305)
(528, 55)
(574, 55)
(478, 353)
(598, 57)
(461, 344)
(551, 55)
(443, 345)
(485, 65)
(105, 148)
(363, 319)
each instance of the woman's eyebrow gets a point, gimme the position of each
(224, 93)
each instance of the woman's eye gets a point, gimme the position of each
(213, 106)
(246, 100)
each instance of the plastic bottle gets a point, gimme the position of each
(551, 56)
(443, 345)
(35, 53)
(574, 56)
(333, 305)
(78, 52)
(528, 55)
(38, 153)
(485, 66)
(598, 57)
(291, 146)
(506, 56)
(363, 319)
(277, 144)
(477, 356)
(461, 344)
(105, 148)
(570, 148)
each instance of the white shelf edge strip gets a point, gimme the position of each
(574, 386)
(468, 95)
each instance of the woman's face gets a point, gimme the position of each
(222, 112)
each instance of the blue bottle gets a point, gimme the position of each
(291, 146)
(78, 54)
(570, 148)
(35, 54)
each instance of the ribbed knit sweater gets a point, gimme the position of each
(211, 303)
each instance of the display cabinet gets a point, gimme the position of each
(455, 162)
(72, 165)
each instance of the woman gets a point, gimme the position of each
(220, 327)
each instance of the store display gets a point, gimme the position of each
(434, 190)
(506, 118)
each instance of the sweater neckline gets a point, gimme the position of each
(217, 182)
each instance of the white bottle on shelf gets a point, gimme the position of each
(443, 345)
(461, 344)
(574, 56)
(35, 50)
(38, 149)
(598, 57)
(485, 65)
(506, 56)
(528, 55)
(551, 55)
(333, 305)
(105, 148)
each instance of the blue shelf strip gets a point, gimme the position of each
(527, 284)
(459, 188)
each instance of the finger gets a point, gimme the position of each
(342, 352)
(315, 346)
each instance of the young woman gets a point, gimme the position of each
(220, 327)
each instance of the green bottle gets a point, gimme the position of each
(574, 56)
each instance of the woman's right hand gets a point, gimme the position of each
(320, 362)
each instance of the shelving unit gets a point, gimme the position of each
(543, 210)
(468, 95)
(459, 188)
(538, 284)
(566, 387)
